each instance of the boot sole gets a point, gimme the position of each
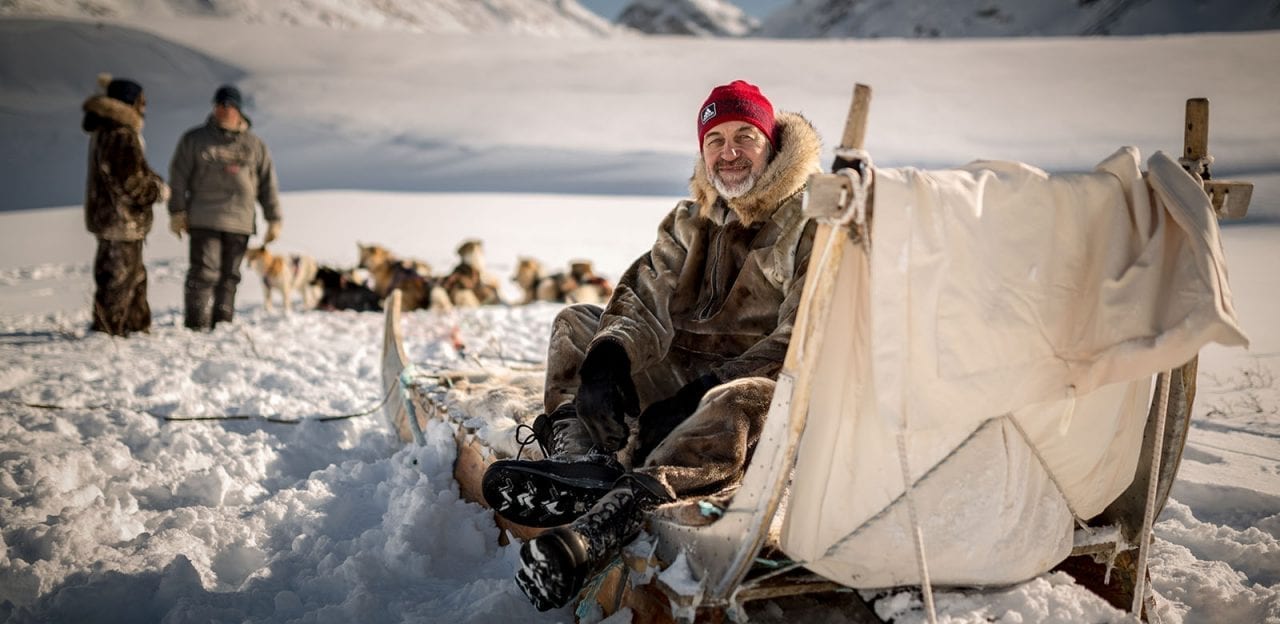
(542, 494)
(548, 575)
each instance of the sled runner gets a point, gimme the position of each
(991, 376)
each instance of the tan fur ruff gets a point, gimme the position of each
(799, 150)
(115, 110)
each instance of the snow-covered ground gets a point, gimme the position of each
(110, 510)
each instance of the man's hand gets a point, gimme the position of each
(661, 418)
(178, 223)
(273, 231)
(606, 395)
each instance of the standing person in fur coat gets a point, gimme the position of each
(686, 353)
(119, 194)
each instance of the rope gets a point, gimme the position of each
(1044, 464)
(411, 410)
(1197, 166)
(926, 586)
(1148, 516)
(861, 185)
(928, 474)
(271, 418)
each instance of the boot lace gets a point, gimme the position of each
(530, 437)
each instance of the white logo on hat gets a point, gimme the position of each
(708, 112)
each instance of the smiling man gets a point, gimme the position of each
(735, 152)
(685, 354)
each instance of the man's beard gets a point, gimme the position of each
(733, 190)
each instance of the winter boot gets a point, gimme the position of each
(555, 565)
(553, 491)
(199, 308)
(224, 303)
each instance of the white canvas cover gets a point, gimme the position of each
(1004, 324)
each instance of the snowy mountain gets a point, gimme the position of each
(998, 18)
(525, 17)
(715, 18)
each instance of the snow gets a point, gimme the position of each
(111, 509)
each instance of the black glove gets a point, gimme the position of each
(659, 419)
(606, 395)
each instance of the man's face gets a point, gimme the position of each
(735, 153)
(228, 116)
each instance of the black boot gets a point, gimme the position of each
(555, 565)
(224, 303)
(199, 308)
(551, 492)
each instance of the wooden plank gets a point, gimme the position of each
(825, 195)
(473, 456)
(394, 362)
(1195, 144)
(1230, 198)
(468, 470)
(855, 128)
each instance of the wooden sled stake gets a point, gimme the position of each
(1230, 198)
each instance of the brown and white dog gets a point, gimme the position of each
(283, 274)
(469, 285)
(418, 289)
(587, 287)
(535, 283)
(579, 285)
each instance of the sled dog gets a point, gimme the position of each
(285, 275)
(418, 289)
(469, 285)
(345, 290)
(579, 285)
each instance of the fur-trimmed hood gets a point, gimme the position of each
(100, 110)
(797, 157)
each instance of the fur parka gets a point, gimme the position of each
(121, 187)
(719, 290)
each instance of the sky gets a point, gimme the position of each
(755, 8)
(112, 511)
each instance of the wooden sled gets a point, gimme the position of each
(727, 548)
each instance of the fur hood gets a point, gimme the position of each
(100, 110)
(799, 149)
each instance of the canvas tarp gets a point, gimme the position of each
(1001, 329)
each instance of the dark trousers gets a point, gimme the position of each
(120, 299)
(213, 276)
(705, 454)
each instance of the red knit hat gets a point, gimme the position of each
(736, 101)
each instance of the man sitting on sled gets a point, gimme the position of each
(690, 343)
